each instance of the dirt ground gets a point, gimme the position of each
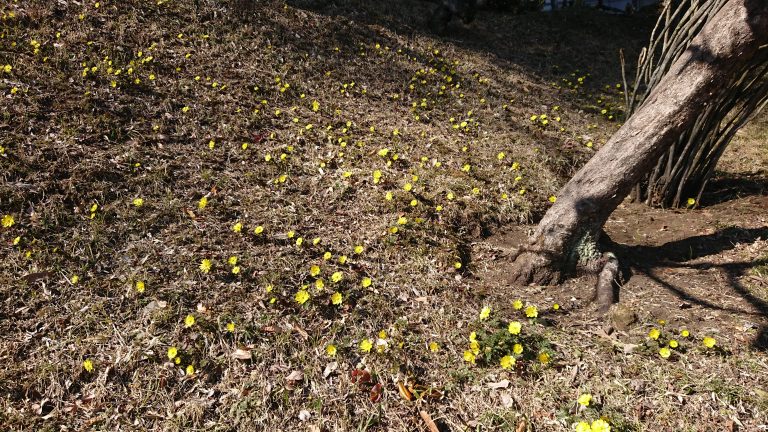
(278, 215)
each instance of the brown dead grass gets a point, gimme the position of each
(71, 139)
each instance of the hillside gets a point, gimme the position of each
(266, 215)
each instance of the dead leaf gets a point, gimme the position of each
(428, 421)
(404, 392)
(35, 276)
(330, 368)
(242, 354)
(521, 426)
(304, 415)
(360, 376)
(506, 400)
(376, 392)
(296, 376)
(499, 385)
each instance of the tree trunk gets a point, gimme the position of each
(567, 236)
(681, 173)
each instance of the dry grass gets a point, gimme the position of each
(217, 102)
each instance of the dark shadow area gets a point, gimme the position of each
(727, 187)
(552, 45)
(647, 260)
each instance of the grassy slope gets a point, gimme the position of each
(219, 104)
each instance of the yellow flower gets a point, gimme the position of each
(600, 425)
(74, 279)
(301, 297)
(327, 256)
(258, 230)
(337, 277)
(556, 306)
(7, 221)
(517, 304)
(205, 265)
(232, 260)
(314, 270)
(402, 220)
(88, 365)
(336, 298)
(138, 202)
(231, 327)
(320, 284)
(330, 350)
(474, 346)
(507, 362)
(583, 427)
(366, 282)
(552, 199)
(359, 249)
(517, 349)
(531, 311)
(457, 265)
(485, 313)
(665, 352)
(343, 259)
(473, 336)
(366, 345)
(388, 196)
(544, 358)
(709, 342)
(654, 334)
(189, 321)
(236, 270)
(469, 357)
(190, 370)
(691, 202)
(140, 286)
(673, 343)
(500, 156)
(237, 227)
(434, 347)
(514, 327)
(684, 333)
(172, 352)
(585, 399)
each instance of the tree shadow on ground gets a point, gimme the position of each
(728, 187)
(687, 253)
(550, 45)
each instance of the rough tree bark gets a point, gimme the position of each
(682, 172)
(567, 236)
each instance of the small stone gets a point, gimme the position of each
(622, 317)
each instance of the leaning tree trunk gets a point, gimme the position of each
(681, 173)
(567, 235)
